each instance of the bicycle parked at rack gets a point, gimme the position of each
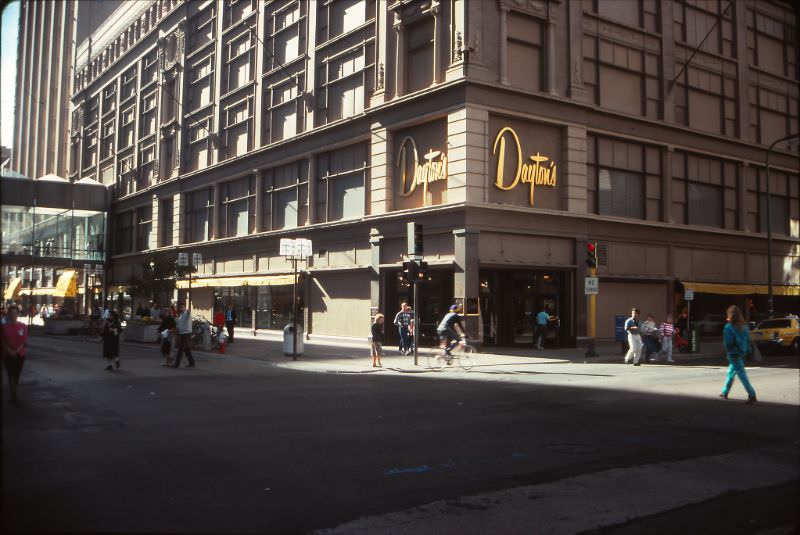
(199, 327)
(463, 353)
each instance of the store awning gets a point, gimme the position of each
(229, 282)
(13, 288)
(67, 285)
(38, 291)
(740, 289)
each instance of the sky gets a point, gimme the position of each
(8, 71)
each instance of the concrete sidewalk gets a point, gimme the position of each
(348, 355)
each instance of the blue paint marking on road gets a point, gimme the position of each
(451, 463)
(407, 470)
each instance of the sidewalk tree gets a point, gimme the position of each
(157, 279)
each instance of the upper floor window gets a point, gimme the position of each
(419, 54)
(284, 110)
(199, 141)
(150, 67)
(123, 233)
(695, 20)
(166, 215)
(237, 10)
(341, 183)
(621, 78)
(704, 191)
(342, 16)
(286, 196)
(238, 208)
(286, 38)
(772, 43)
(128, 83)
(202, 28)
(346, 81)
(240, 57)
(198, 215)
(110, 97)
(525, 51)
(638, 13)
(144, 227)
(238, 125)
(706, 100)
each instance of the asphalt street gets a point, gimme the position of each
(245, 445)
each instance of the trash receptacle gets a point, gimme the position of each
(289, 338)
(694, 343)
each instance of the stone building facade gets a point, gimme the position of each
(514, 131)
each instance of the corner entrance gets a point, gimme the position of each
(435, 298)
(510, 300)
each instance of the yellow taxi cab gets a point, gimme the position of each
(778, 333)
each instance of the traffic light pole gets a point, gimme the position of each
(416, 320)
(591, 318)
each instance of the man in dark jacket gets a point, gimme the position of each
(230, 322)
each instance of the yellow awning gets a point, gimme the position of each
(12, 291)
(228, 282)
(740, 289)
(38, 291)
(67, 285)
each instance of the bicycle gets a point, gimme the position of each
(199, 327)
(465, 354)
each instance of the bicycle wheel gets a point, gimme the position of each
(436, 361)
(466, 358)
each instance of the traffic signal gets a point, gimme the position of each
(591, 254)
(414, 239)
(409, 271)
(422, 271)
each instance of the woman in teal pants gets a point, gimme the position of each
(736, 337)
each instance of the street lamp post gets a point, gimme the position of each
(794, 138)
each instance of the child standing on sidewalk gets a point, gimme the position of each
(377, 341)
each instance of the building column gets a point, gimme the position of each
(312, 190)
(438, 49)
(381, 54)
(259, 202)
(381, 160)
(667, 154)
(465, 276)
(178, 222)
(743, 169)
(504, 44)
(467, 168)
(573, 175)
(400, 62)
(551, 54)
(216, 232)
(155, 226)
(375, 240)
(577, 91)
(742, 71)
(667, 63)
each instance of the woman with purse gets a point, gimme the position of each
(166, 329)
(736, 337)
(111, 339)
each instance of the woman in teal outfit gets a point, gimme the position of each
(736, 337)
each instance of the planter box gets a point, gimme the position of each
(140, 332)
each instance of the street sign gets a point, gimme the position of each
(87, 268)
(183, 259)
(591, 286)
(197, 259)
(689, 294)
(300, 248)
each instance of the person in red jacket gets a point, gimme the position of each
(15, 343)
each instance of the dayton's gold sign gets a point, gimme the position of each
(536, 173)
(413, 173)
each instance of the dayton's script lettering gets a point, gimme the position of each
(537, 173)
(433, 169)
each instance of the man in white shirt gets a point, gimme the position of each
(184, 328)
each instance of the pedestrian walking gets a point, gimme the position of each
(666, 333)
(111, 332)
(167, 330)
(15, 344)
(184, 332)
(736, 338)
(376, 344)
(402, 321)
(542, 320)
(230, 321)
(634, 353)
(649, 334)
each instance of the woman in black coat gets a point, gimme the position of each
(111, 339)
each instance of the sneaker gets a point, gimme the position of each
(116, 363)
(190, 365)
(637, 363)
(724, 396)
(109, 367)
(671, 361)
(751, 399)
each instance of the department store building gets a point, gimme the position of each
(514, 131)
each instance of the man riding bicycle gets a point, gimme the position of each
(447, 332)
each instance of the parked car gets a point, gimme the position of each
(778, 333)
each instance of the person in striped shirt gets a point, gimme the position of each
(666, 332)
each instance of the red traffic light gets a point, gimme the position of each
(590, 247)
